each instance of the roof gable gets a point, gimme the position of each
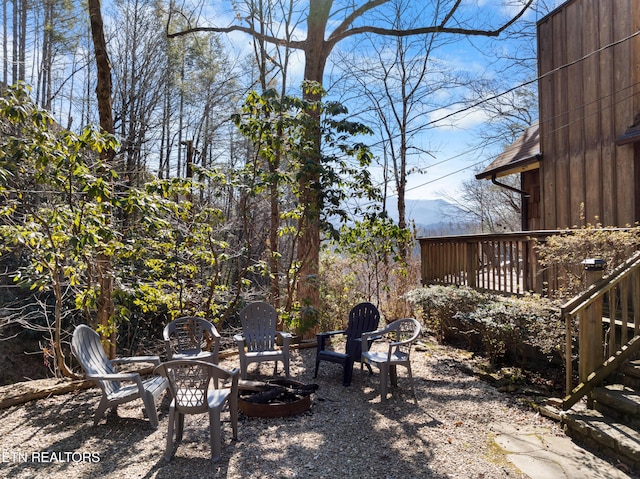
(522, 155)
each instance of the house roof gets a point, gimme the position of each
(631, 135)
(522, 155)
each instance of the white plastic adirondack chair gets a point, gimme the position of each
(87, 348)
(258, 341)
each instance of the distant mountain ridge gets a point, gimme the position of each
(433, 216)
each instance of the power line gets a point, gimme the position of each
(516, 87)
(497, 140)
(560, 127)
(529, 82)
(521, 85)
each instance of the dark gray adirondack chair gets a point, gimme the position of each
(87, 348)
(188, 337)
(257, 343)
(196, 388)
(399, 337)
(362, 318)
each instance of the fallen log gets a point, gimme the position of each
(22, 392)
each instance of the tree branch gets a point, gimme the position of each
(392, 32)
(342, 28)
(450, 14)
(238, 28)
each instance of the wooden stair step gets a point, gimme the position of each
(630, 374)
(604, 434)
(623, 399)
(632, 368)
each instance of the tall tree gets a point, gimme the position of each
(273, 70)
(105, 110)
(5, 42)
(327, 24)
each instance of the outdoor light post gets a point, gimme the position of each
(590, 332)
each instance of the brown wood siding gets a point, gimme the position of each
(624, 92)
(606, 110)
(592, 127)
(585, 104)
(546, 122)
(575, 114)
(530, 181)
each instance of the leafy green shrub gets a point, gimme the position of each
(518, 327)
(440, 306)
(497, 326)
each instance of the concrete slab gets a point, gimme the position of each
(541, 453)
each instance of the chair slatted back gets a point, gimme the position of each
(187, 334)
(363, 317)
(189, 382)
(259, 322)
(88, 350)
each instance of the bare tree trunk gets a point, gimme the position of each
(5, 42)
(45, 68)
(103, 93)
(103, 88)
(14, 49)
(57, 338)
(22, 50)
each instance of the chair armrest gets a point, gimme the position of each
(332, 333)
(369, 337)
(321, 338)
(168, 349)
(286, 340)
(137, 359)
(371, 334)
(240, 341)
(214, 345)
(114, 377)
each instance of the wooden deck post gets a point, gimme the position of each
(472, 264)
(591, 353)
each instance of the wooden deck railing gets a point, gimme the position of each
(505, 262)
(607, 318)
(602, 323)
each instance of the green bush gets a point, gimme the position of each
(440, 306)
(500, 327)
(519, 327)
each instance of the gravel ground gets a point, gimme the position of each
(347, 432)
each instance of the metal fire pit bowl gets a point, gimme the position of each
(275, 409)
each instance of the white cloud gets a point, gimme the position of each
(454, 119)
